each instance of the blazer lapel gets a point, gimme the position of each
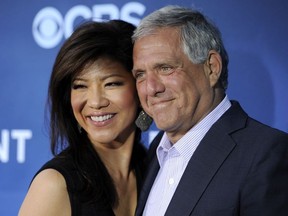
(149, 180)
(199, 172)
(151, 174)
(205, 162)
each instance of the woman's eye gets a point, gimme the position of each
(111, 84)
(78, 86)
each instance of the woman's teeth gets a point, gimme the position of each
(101, 118)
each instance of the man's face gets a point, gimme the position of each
(176, 93)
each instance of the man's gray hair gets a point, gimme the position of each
(197, 33)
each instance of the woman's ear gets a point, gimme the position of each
(214, 67)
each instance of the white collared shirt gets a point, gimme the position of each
(173, 160)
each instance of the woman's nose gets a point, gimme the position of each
(97, 98)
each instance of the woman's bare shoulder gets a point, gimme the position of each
(47, 195)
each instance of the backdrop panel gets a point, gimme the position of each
(255, 34)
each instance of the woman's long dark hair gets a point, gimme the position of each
(90, 41)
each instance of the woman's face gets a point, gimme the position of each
(105, 102)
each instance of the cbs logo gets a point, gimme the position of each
(49, 26)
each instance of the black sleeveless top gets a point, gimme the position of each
(74, 181)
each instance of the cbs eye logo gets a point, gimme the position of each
(49, 26)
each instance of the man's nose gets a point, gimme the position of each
(154, 84)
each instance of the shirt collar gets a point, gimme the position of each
(193, 136)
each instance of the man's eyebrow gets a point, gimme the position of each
(155, 66)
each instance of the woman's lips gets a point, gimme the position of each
(101, 118)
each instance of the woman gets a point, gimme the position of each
(93, 105)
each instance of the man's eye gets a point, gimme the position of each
(166, 69)
(139, 75)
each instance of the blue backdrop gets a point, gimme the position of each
(255, 34)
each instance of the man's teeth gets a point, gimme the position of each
(101, 118)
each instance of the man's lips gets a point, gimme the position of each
(158, 102)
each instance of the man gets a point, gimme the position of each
(211, 158)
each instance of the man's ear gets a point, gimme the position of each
(214, 67)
